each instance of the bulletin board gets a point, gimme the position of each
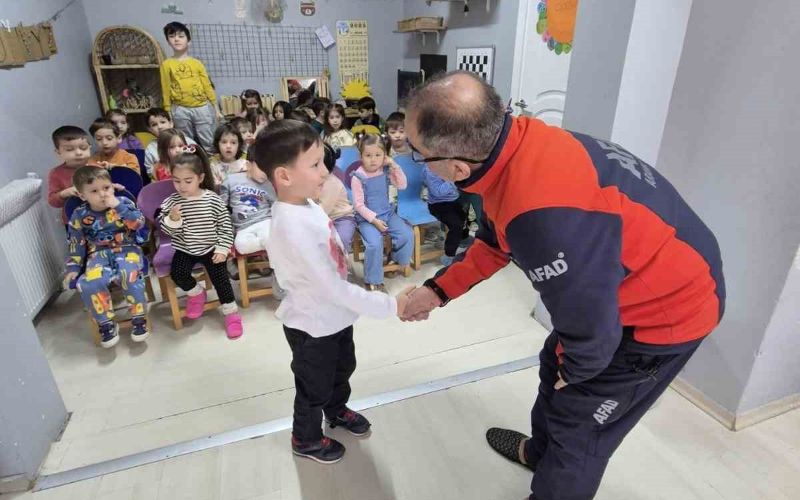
(353, 42)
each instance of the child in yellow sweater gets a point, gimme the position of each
(187, 89)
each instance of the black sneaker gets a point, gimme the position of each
(356, 423)
(109, 334)
(139, 333)
(506, 442)
(324, 451)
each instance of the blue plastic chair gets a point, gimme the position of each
(347, 156)
(412, 208)
(139, 154)
(129, 178)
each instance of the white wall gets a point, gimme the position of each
(385, 47)
(651, 61)
(477, 29)
(730, 148)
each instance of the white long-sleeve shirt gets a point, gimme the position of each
(309, 261)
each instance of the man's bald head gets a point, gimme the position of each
(456, 114)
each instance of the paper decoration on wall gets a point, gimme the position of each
(307, 7)
(26, 43)
(352, 38)
(273, 11)
(557, 24)
(479, 60)
(171, 8)
(355, 90)
(324, 36)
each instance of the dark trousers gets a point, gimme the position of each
(181, 273)
(452, 215)
(576, 430)
(322, 367)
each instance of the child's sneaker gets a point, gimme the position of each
(324, 451)
(233, 325)
(356, 423)
(139, 333)
(195, 305)
(375, 288)
(109, 334)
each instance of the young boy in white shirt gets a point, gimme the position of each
(320, 305)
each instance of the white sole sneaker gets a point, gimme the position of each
(111, 343)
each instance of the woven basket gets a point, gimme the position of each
(126, 45)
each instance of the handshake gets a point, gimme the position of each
(416, 304)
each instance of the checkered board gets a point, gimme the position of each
(479, 60)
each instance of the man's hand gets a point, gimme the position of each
(68, 193)
(175, 213)
(380, 225)
(219, 258)
(69, 278)
(421, 302)
(402, 301)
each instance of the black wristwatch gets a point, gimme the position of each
(438, 291)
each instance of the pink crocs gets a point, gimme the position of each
(233, 326)
(195, 305)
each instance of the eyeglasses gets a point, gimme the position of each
(420, 158)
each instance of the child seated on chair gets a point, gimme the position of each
(198, 222)
(108, 136)
(230, 151)
(367, 114)
(250, 99)
(171, 144)
(246, 130)
(281, 110)
(128, 139)
(158, 120)
(396, 130)
(334, 134)
(73, 149)
(105, 236)
(333, 200)
(258, 119)
(321, 306)
(443, 204)
(319, 106)
(375, 214)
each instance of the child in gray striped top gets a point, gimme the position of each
(198, 222)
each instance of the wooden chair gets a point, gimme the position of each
(246, 263)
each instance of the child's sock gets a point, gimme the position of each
(229, 308)
(197, 290)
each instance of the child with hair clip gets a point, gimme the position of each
(199, 224)
(229, 159)
(171, 143)
(333, 132)
(320, 306)
(250, 99)
(375, 214)
(127, 139)
(281, 110)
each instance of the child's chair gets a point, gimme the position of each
(150, 199)
(347, 156)
(251, 262)
(69, 206)
(129, 178)
(411, 207)
(139, 154)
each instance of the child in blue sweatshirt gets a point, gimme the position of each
(443, 204)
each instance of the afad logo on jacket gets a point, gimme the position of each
(547, 271)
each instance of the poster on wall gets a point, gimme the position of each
(479, 60)
(556, 24)
(353, 42)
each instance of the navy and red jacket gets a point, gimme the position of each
(604, 238)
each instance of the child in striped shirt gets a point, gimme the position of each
(198, 222)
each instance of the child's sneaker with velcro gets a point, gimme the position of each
(324, 451)
(356, 423)
(139, 332)
(109, 334)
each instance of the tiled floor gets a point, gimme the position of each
(432, 447)
(186, 384)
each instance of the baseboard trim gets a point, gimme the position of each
(705, 403)
(730, 420)
(14, 484)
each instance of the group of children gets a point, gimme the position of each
(268, 186)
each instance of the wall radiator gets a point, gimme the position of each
(29, 245)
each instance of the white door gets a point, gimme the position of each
(539, 79)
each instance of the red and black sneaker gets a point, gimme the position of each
(324, 451)
(354, 422)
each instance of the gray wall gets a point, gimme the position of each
(601, 40)
(477, 29)
(385, 47)
(32, 413)
(729, 146)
